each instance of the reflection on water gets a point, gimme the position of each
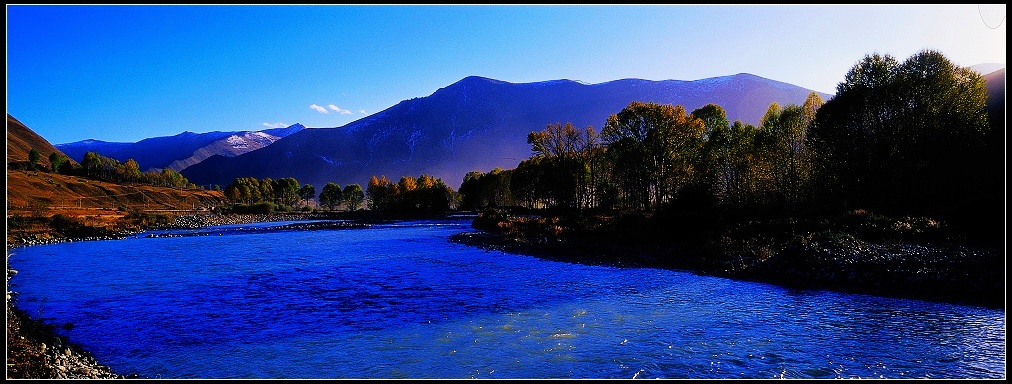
(401, 301)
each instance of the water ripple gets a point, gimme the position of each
(399, 300)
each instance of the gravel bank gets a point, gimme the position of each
(35, 351)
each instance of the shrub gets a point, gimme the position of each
(262, 208)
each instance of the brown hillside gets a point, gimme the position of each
(21, 140)
(92, 203)
(53, 193)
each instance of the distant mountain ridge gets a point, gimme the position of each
(182, 150)
(478, 123)
(987, 68)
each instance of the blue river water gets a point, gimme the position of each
(400, 300)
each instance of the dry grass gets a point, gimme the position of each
(33, 196)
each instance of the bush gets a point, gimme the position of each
(262, 208)
(63, 222)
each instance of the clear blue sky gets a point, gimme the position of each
(124, 73)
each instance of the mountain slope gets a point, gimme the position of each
(182, 150)
(477, 124)
(21, 140)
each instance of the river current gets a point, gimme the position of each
(400, 300)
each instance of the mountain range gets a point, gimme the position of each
(478, 123)
(182, 150)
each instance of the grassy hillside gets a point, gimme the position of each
(92, 203)
(21, 140)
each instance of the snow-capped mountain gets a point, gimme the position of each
(182, 150)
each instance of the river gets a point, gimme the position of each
(400, 300)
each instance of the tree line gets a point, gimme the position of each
(96, 166)
(424, 195)
(897, 137)
(266, 195)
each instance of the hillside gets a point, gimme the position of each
(477, 124)
(29, 191)
(21, 140)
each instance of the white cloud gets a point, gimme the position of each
(318, 108)
(362, 111)
(339, 110)
(275, 125)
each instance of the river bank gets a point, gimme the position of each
(858, 252)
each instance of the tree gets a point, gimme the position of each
(902, 137)
(378, 193)
(306, 193)
(713, 153)
(33, 158)
(353, 196)
(90, 164)
(660, 146)
(470, 191)
(331, 196)
(57, 161)
(131, 171)
(286, 190)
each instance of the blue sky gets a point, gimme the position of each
(124, 73)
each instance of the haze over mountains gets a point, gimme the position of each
(182, 150)
(478, 123)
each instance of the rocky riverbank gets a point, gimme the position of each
(35, 351)
(857, 253)
(207, 220)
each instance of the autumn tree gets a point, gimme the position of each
(377, 193)
(131, 171)
(657, 146)
(286, 190)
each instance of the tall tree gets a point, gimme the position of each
(306, 193)
(33, 158)
(57, 161)
(660, 146)
(353, 196)
(331, 196)
(903, 137)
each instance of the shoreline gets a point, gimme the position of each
(950, 272)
